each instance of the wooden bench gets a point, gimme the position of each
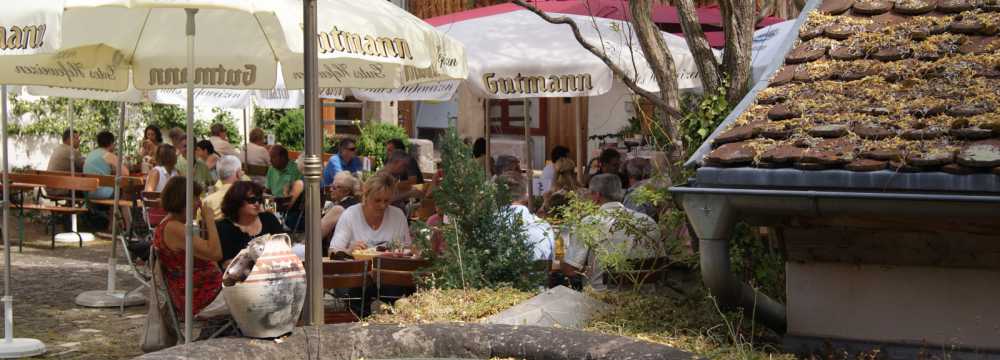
(397, 272)
(294, 155)
(69, 183)
(345, 275)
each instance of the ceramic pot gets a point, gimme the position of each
(268, 303)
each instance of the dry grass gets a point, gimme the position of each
(451, 305)
(687, 323)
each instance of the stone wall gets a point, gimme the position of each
(391, 341)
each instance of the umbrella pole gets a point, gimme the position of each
(486, 136)
(11, 347)
(580, 157)
(74, 235)
(246, 133)
(189, 184)
(112, 297)
(313, 169)
(527, 150)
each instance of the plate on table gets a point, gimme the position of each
(365, 254)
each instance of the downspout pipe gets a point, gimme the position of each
(714, 212)
(713, 221)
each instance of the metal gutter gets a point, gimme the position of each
(882, 180)
(761, 84)
(855, 195)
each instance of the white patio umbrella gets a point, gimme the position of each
(518, 55)
(369, 44)
(10, 347)
(29, 38)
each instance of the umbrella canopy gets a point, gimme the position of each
(370, 44)
(767, 47)
(517, 54)
(278, 98)
(237, 44)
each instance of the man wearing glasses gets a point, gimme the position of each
(344, 160)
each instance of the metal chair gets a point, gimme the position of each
(176, 322)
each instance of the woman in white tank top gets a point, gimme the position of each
(166, 159)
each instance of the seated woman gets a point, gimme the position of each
(374, 223)
(102, 161)
(243, 219)
(168, 240)
(563, 183)
(152, 138)
(371, 224)
(344, 193)
(205, 152)
(166, 160)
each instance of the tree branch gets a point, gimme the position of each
(738, 24)
(657, 54)
(629, 82)
(765, 10)
(708, 65)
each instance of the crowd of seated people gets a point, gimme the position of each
(373, 213)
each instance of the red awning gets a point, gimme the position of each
(664, 15)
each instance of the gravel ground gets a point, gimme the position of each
(45, 283)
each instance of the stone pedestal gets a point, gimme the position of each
(423, 151)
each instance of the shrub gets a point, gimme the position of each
(289, 130)
(371, 142)
(486, 246)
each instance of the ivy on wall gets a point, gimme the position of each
(50, 117)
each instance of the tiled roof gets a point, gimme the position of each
(904, 86)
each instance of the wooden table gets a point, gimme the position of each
(20, 188)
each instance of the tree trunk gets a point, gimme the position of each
(739, 18)
(655, 50)
(704, 57)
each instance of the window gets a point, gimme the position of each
(507, 116)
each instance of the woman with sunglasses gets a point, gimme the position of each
(243, 218)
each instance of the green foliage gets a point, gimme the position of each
(221, 116)
(371, 142)
(757, 263)
(289, 130)
(280, 123)
(89, 118)
(585, 217)
(166, 117)
(702, 114)
(486, 244)
(267, 119)
(93, 116)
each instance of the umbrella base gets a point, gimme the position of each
(104, 298)
(70, 237)
(20, 348)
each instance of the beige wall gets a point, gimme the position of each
(903, 304)
(382, 111)
(471, 119)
